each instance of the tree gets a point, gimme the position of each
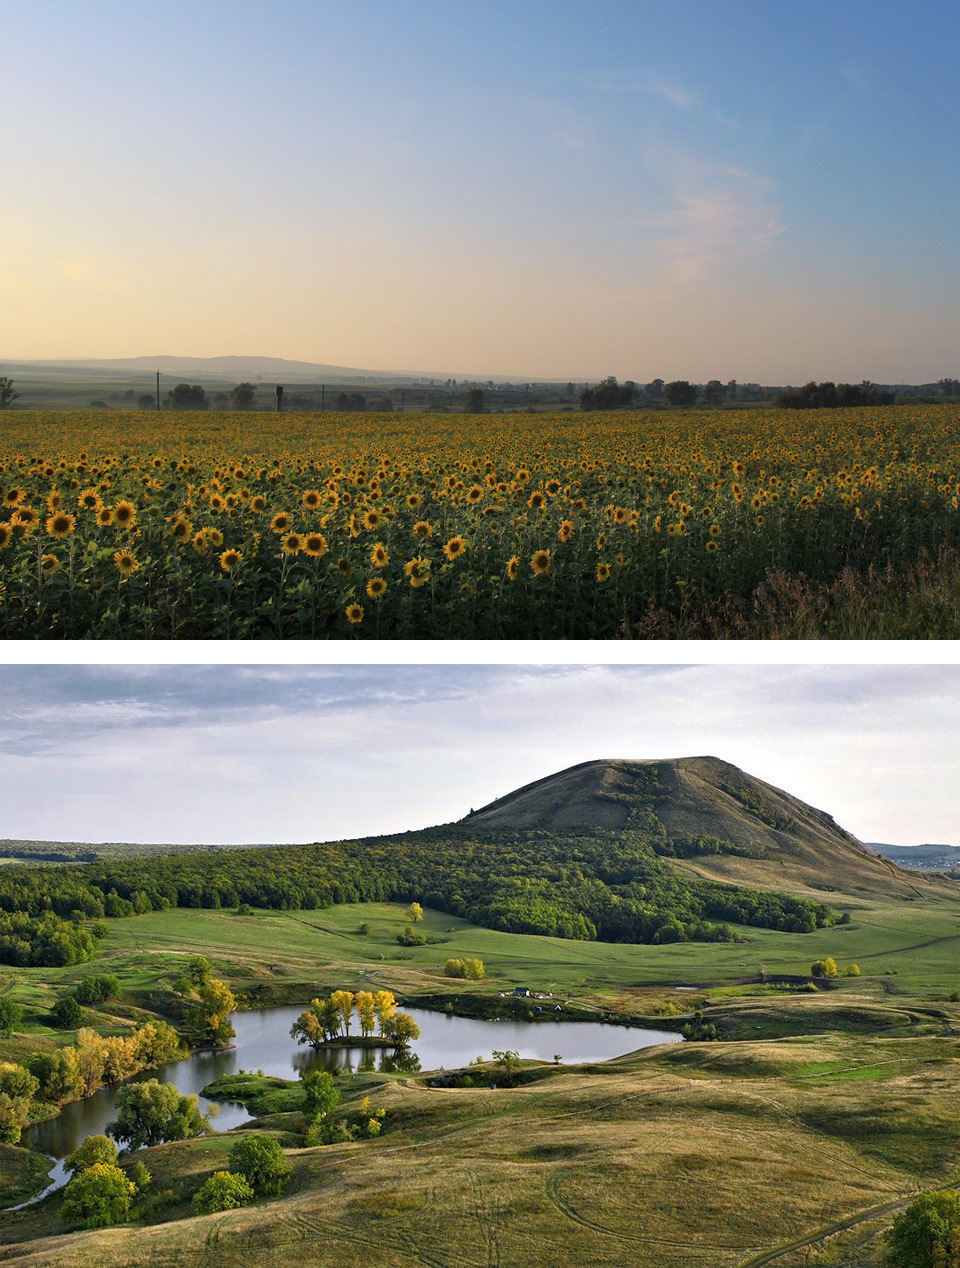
(242, 396)
(183, 396)
(607, 395)
(11, 1015)
(825, 968)
(415, 912)
(386, 1006)
(151, 1112)
(97, 1197)
(475, 402)
(366, 1012)
(223, 1191)
(402, 1029)
(93, 1150)
(7, 394)
(342, 1002)
(66, 1013)
(212, 1003)
(680, 393)
(17, 1090)
(927, 1233)
(96, 988)
(321, 1094)
(262, 1162)
(714, 392)
(145, 400)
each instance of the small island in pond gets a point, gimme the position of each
(326, 1023)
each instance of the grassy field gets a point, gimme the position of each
(790, 1142)
(694, 524)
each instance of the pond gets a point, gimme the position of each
(263, 1042)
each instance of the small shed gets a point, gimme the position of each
(521, 990)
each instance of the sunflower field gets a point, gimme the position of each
(254, 525)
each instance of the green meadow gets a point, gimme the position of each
(792, 1141)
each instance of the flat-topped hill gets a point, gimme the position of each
(773, 839)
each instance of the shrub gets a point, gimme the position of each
(66, 1013)
(223, 1191)
(95, 1149)
(97, 1197)
(927, 1233)
(261, 1160)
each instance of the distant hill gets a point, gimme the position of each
(88, 852)
(774, 839)
(232, 368)
(924, 858)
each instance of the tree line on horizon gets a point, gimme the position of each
(612, 887)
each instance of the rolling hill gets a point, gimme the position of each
(780, 842)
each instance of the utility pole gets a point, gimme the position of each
(323, 389)
(279, 398)
(158, 389)
(403, 392)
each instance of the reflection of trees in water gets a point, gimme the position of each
(357, 1061)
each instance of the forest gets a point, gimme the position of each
(610, 886)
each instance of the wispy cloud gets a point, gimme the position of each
(718, 214)
(567, 128)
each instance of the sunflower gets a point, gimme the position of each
(414, 500)
(229, 560)
(89, 500)
(181, 529)
(5, 535)
(292, 544)
(371, 519)
(601, 541)
(619, 514)
(216, 502)
(422, 530)
(712, 546)
(603, 572)
(454, 547)
(513, 568)
(552, 487)
(565, 531)
(375, 587)
(344, 567)
(378, 556)
(25, 517)
(125, 562)
(104, 516)
(280, 522)
(311, 498)
(49, 564)
(540, 562)
(354, 613)
(314, 545)
(536, 500)
(125, 514)
(418, 570)
(475, 494)
(214, 537)
(60, 525)
(13, 497)
(258, 502)
(54, 501)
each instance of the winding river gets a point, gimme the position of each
(263, 1042)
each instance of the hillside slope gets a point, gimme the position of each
(789, 844)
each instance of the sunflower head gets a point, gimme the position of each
(60, 524)
(422, 530)
(292, 544)
(229, 560)
(125, 514)
(603, 572)
(540, 562)
(311, 498)
(565, 531)
(354, 613)
(376, 587)
(378, 556)
(49, 564)
(314, 545)
(280, 522)
(454, 547)
(126, 563)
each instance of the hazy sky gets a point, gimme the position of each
(271, 754)
(746, 189)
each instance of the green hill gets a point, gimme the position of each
(750, 832)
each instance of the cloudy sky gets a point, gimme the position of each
(741, 189)
(290, 753)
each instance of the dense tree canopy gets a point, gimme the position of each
(570, 884)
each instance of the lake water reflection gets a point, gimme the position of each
(263, 1042)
